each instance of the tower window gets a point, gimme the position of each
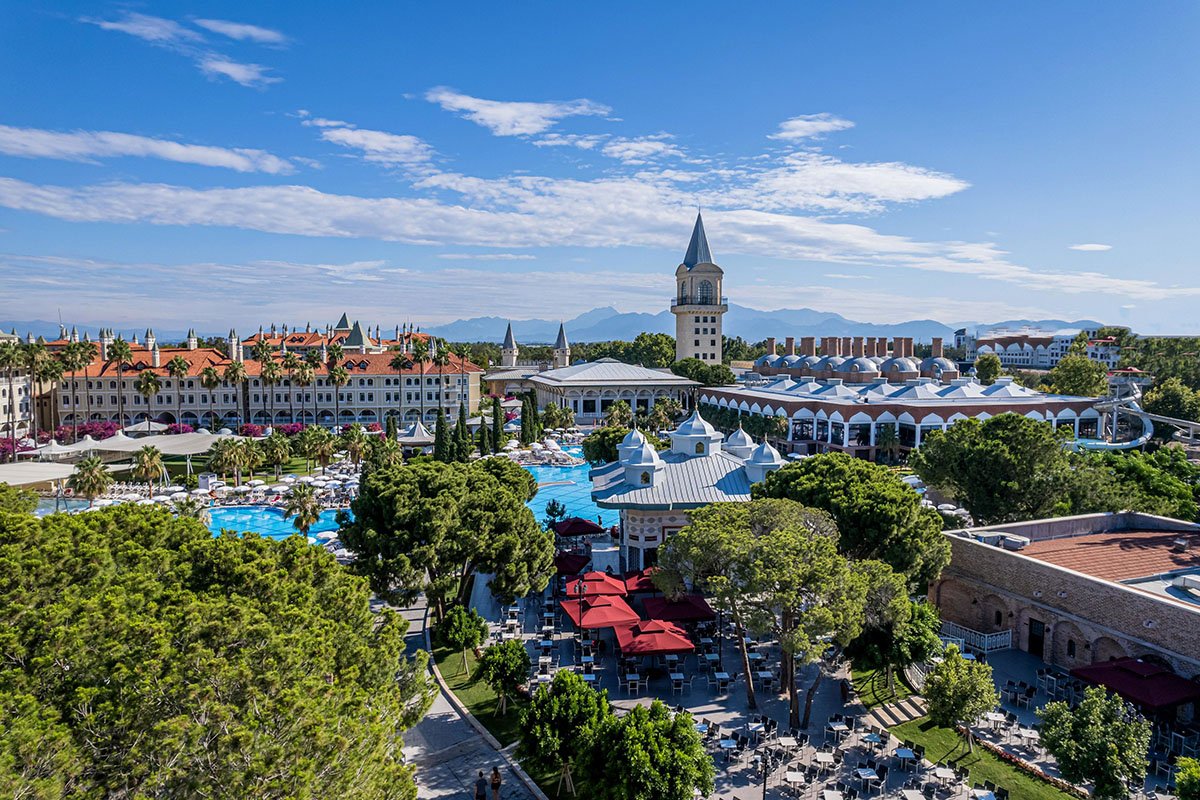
(1070, 648)
(704, 294)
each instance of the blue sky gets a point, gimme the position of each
(232, 163)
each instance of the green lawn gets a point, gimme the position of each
(871, 686)
(177, 467)
(943, 744)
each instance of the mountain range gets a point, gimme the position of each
(606, 323)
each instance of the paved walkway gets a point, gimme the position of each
(446, 750)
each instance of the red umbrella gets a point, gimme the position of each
(653, 638)
(577, 526)
(641, 581)
(596, 584)
(600, 612)
(688, 608)
(570, 563)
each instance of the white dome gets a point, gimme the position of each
(765, 455)
(643, 456)
(633, 438)
(739, 438)
(695, 425)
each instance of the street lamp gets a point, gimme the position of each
(580, 587)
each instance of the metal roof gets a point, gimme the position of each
(686, 481)
(510, 342)
(561, 342)
(609, 372)
(697, 252)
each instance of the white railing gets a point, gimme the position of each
(979, 642)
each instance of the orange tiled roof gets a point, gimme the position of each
(1119, 556)
(198, 359)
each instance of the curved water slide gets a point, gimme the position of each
(1123, 405)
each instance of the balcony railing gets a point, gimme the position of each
(697, 301)
(979, 642)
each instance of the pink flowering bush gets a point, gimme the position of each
(290, 428)
(251, 430)
(180, 427)
(65, 434)
(374, 427)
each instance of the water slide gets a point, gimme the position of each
(1122, 405)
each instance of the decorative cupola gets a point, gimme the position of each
(632, 441)
(192, 341)
(74, 334)
(151, 339)
(764, 459)
(739, 443)
(508, 350)
(233, 342)
(695, 437)
(155, 356)
(643, 466)
(562, 349)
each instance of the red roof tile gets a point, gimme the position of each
(1119, 556)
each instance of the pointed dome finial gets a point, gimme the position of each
(697, 251)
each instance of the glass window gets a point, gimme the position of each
(704, 293)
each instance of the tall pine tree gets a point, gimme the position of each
(462, 436)
(497, 425)
(441, 439)
(485, 440)
(391, 426)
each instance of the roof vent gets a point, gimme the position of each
(1181, 545)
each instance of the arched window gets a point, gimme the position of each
(699, 448)
(682, 293)
(704, 295)
(645, 478)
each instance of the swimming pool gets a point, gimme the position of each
(572, 488)
(46, 505)
(266, 521)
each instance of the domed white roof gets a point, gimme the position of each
(695, 425)
(633, 438)
(898, 364)
(860, 364)
(643, 456)
(765, 455)
(938, 364)
(791, 360)
(739, 438)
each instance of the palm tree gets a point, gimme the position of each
(290, 363)
(178, 368)
(463, 351)
(251, 455)
(421, 355)
(441, 358)
(79, 356)
(148, 386)
(90, 479)
(664, 413)
(303, 377)
(235, 376)
(887, 442)
(400, 362)
(120, 353)
(148, 465)
(324, 445)
(335, 353)
(276, 450)
(262, 352)
(338, 377)
(303, 506)
(10, 361)
(210, 379)
(193, 508)
(222, 458)
(354, 441)
(33, 356)
(51, 372)
(270, 376)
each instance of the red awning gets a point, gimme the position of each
(687, 608)
(600, 612)
(596, 584)
(570, 563)
(652, 638)
(641, 581)
(577, 526)
(1148, 685)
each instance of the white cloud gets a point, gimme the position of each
(532, 211)
(807, 126)
(242, 31)
(91, 145)
(1090, 248)
(583, 141)
(841, 276)
(641, 149)
(151, 29)
(487, 256)
(253, 75)
(381, 147)
(513, 118)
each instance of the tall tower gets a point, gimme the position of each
(698, 305)
(562, 349)
(508, 350)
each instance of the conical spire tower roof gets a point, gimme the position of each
(561, 342)
(698, 252)
(510, 342)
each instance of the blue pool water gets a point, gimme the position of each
(266, 521)
(573, 490)
(46, 505)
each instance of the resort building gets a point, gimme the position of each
(1078, 591)
(15, 408)
(655, 491)
(589, 388)
(1031, 348)
(352, 337)
(874, 399)
(378, 384)
(698, 304)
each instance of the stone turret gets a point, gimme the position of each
(74, 337)
(509, 350)
(235, 346)
(151, 339)
(562, 349)
(192, 342)
(155, 356)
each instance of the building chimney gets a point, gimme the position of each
(808, 346)
(908, 347)
(789, 346)
(155, 357)
(938, 351)
(770, 345)
(856, 347)
(845, 349)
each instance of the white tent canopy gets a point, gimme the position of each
(24, 473)
(145, 426)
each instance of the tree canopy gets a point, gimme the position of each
(878, 516)
(600, 446)
(144, 657)
(704, 373)
(16, 499)
(505, 667)
(959, 691)
(648, 754)
(1171, 398)
(1078, 375)
(429, 526)
(1187, 779)
(988, 368)
(1101, 741)
(560, 724)
(463, 629)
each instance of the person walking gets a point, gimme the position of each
(496, 781)
(481, 787)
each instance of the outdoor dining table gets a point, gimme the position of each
(906, 756)
(587, 659)
(677, 676)
(589, 677)
(996, 718)
(545, 659)
(982, 794)
(837, 728)
(706, 640)
(756, 656)
(872, 738)
(507, 635)
(712, 658)
(866, 775)
(830, 794)
(791, 776)
(944, 774)
(701, 727)
(911, 794)
(789, 742)
(546, 644)
(1028, 734)
(823, 760)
